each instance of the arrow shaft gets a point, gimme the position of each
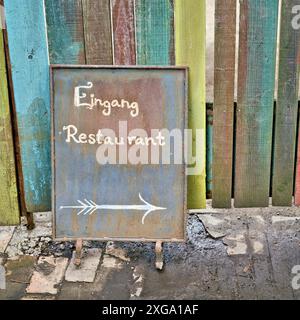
(88, 207)
(121, 207)
(111, 207)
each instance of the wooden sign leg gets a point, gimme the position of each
(30, 221)
(159, 263)
(78, 252)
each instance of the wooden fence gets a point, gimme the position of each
(257, 150)
(251, 145)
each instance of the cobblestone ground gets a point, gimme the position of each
(229, 254)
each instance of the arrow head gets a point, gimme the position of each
(150, 208)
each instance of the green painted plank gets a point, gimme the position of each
(190, 50)
(97, 31)
(286, 108)
(154, 32)
(65, 31)
(30, 77)
(256, 80)
(224, 72)
(9, 209)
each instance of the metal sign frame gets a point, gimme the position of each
(53, 155)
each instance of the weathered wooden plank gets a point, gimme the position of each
(297, 171)
(286, 108)
(209, 149)
(9, 209)
(30, 76)
(190, 50)
(297, 179)
(154, 32)
(97, 31)
(256, 79)
(224, 71)
(65, 31)
(124, 32)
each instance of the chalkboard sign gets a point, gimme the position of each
(118, 152)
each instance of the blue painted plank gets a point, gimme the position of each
(30, 75)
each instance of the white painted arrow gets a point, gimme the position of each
(90, 207)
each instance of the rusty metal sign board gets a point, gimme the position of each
(118, 152)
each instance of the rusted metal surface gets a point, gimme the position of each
(112, 199)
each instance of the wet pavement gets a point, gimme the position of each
(229, 254)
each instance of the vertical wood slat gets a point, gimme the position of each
(154, 32)
(297, 171)
(286, 108)
(190, 50)
(297, 178)
(17, 149)
(97, 31)
(256, 79)
(123, 32)
(9, 209)
(209, 149)
(225, 40)
(65, 31)
(30, 77)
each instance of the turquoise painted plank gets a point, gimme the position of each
(256, 80)
(30, 75)
(65, 31)
(155, 32)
